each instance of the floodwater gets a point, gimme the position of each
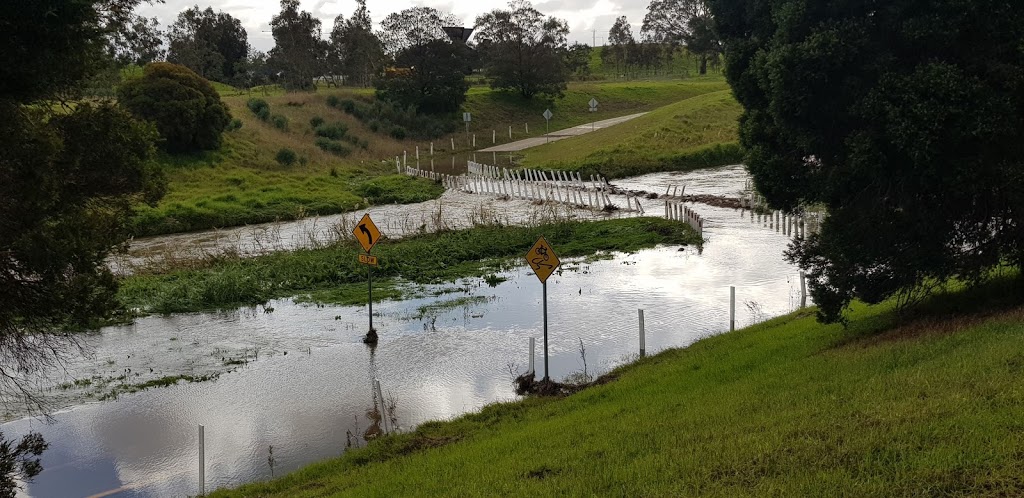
(296, 378)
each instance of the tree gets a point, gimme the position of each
(522, 50)
(687, 22)
(210, 43)
(185, 108)
(68, 182)
(430, 77)
(360, 54)
(141, 43)
(414, 27)
(620, 43)
(298, 50)
(904, 121)
(577, 60)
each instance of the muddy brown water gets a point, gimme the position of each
(306, 383)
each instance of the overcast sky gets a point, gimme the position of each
(583, 15)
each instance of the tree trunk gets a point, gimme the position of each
(703, 64)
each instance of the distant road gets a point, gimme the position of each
(560, 134)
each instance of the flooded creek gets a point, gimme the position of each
(297, 378)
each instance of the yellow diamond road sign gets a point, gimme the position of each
(542, 259)
(366, 233)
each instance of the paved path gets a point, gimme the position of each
(560, 134)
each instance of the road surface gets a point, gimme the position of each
(560, 134)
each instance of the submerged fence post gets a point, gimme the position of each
(803, 289)
(643, 346)
(202, 460)
(732, 309)
(532, 372)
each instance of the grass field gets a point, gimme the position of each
(697, 132)
(334, 275)
(929, 404)
(243, 183)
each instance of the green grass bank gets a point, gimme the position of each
(700, 131)
(923, 405)
(243, 183)
(335, 275)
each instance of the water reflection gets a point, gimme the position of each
(308, 393)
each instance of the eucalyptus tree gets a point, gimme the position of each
(522, 50)
(414, 27)
(356, 51)
(684, 22)
(210, 43)
(298, 51)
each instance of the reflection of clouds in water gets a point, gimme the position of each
(436, 366)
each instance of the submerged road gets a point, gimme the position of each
(560, 134)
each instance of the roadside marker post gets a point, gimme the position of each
(547, 124)
(367, 233)
(543, 260)
(593, 108)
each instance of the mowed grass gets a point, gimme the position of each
(925, 406)
(697, 132)
(334, 274)
(494, 110)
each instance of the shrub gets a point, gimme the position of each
(348, 105)
(236, 124)
(334, 131)
(374, 125)
(333, 147)
(315, 121)
(185, 108)
(286, 157)
(280, 122)
(255, 105)
(263, 114)
(398, 133)
(332, 100)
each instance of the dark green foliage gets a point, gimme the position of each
(280, 122)
(397, 132)
(358, 52)
(214, 45)
(684, 22)
(315, 121)
(286, 157)
(332, 100)
(298, 50)
(185, 108)
(255, 105)
(522, 50)
(334, 131)
(235, 124)
(430, 77)
(904, 120)
(333, 146)
(384, 117)
(19, 462)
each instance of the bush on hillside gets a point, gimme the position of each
(333, 147)
(185, 108)
(383, 117)
(315, 121)
(286, 157)
(280, 122)
(334, 131)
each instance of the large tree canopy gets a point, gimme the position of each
(686, 22)
(213, 44)
(431, 78)
(905, 119)
(413, 27)
(356, 50)
(522, 50)
(298, 50)
(68, 182)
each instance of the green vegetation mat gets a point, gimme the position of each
(925, 406)
(697, 132)
(335, 275)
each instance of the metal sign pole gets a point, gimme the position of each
(545, 287)
(369, 289)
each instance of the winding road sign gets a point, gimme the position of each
(542, 259)
(366, 233)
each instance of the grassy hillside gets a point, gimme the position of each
(696, 132)
(930, 405)
(243, 183)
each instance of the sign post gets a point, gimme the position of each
(543, 260)
(593, 108)
(368, 235)
(467, 117)
(547, 124)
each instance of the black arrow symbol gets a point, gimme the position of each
(369, 238)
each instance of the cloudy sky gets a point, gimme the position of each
(584, 16)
